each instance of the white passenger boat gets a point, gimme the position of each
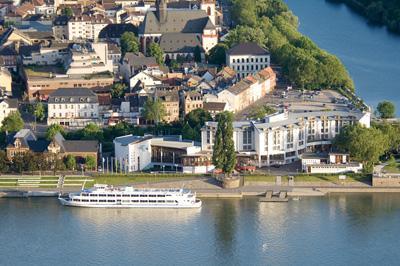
(104, 196)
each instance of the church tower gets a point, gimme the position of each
(161, 10)
(209, 7)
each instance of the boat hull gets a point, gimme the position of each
(65, 202)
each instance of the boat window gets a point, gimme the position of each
(110, 200)
(161, 201)
(144, 201)
(170, 201)
(93, 200)
(152, 195)
(135, 195)
(93, 195)
(84, 194)
(161, 196)
(110, 195)
(76, 200)
(152, 201)
(143, 195)
(125, 195)
(102, 200)
(134, 200)
(125, 201)
(102, 195)
(85, 200)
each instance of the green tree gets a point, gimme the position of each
(40, 111)
(13, 122)
(364, 144)
(197, 54)
(261, 111)
(196, 120)
(70, 162)
(224, 156)
(217, 54)
(93, 132)
(155, 51)
(153, 110)
(4, 163)
(386, 109)
(90, 162)
(188, 132)
(52, 130)
(118, 90)
(129, 43)
(67, 11)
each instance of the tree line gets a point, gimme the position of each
(273, 26)
(383, 12)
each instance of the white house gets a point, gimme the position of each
(146, 79)
(5, 81)
(6, 107)
(86, 27)
(73, 107)
(332, 163)
(247, 59)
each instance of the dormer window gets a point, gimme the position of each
(56, 100)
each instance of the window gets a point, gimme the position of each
(289, 138)
(277, 140)
(247, 139)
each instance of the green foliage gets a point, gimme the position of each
(92, 132)
(224, 155)
(52, 130)
(386, 109)
(194, 121)
(197, 54)
(129, 43)
(67, 11)
(90, 162)
(392, 161)
(303, 63)
(13, 122)
(70, 162)
(4, 163)
(40, 111)
(363, 144)
(261, 111)
(155, 50)
(217, 54)
(153, 110)
(118, 90)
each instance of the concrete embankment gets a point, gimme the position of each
(26, 194)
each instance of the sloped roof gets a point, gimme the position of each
(214, 106)
(177, 42)
(115, 31)
(81, 145)
(184, 21)
(246, 49)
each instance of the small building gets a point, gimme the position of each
(73, 107)
(5, 81)
(138, 153)
(192, 100)
(7, 106)
(24, 141)
(331, 163)
(247, 59)
(133, 63)
(114, 55)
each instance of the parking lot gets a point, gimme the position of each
(299, 101)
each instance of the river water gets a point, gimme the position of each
(356, 229)
(370, 53)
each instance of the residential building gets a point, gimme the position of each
(144, 79)
(248, 90)
(88, 58)
(5, 81)
(214, 108)
(133, 63)
(192, 100)
(8, 58)
(24, 141)
(247, 59)
(138, 153)
(60, 27)
(73, 107)
(86, 27)
(55, 53)
(7, 106)
(180, 22)
(114, 55)
(282, 138)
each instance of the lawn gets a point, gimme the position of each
(392, 168)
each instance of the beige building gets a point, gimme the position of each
(5, 81)
(74, 107)
(86, 27)
(192, 100)
(170, 100)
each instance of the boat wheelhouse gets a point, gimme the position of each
(129, 197)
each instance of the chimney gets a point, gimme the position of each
(161, 10)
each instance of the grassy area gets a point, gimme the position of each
(43, 71)
(392, 168)
(310, 178)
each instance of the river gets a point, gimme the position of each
(370, 53)
(357, 229)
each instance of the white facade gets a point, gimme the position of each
(86, 27)
(249, 64)
(5, 80)
(282, 139)
(47, 55)
(90, 58)
(145, 78)
(7, 107)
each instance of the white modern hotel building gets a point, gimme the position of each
(282, 138)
